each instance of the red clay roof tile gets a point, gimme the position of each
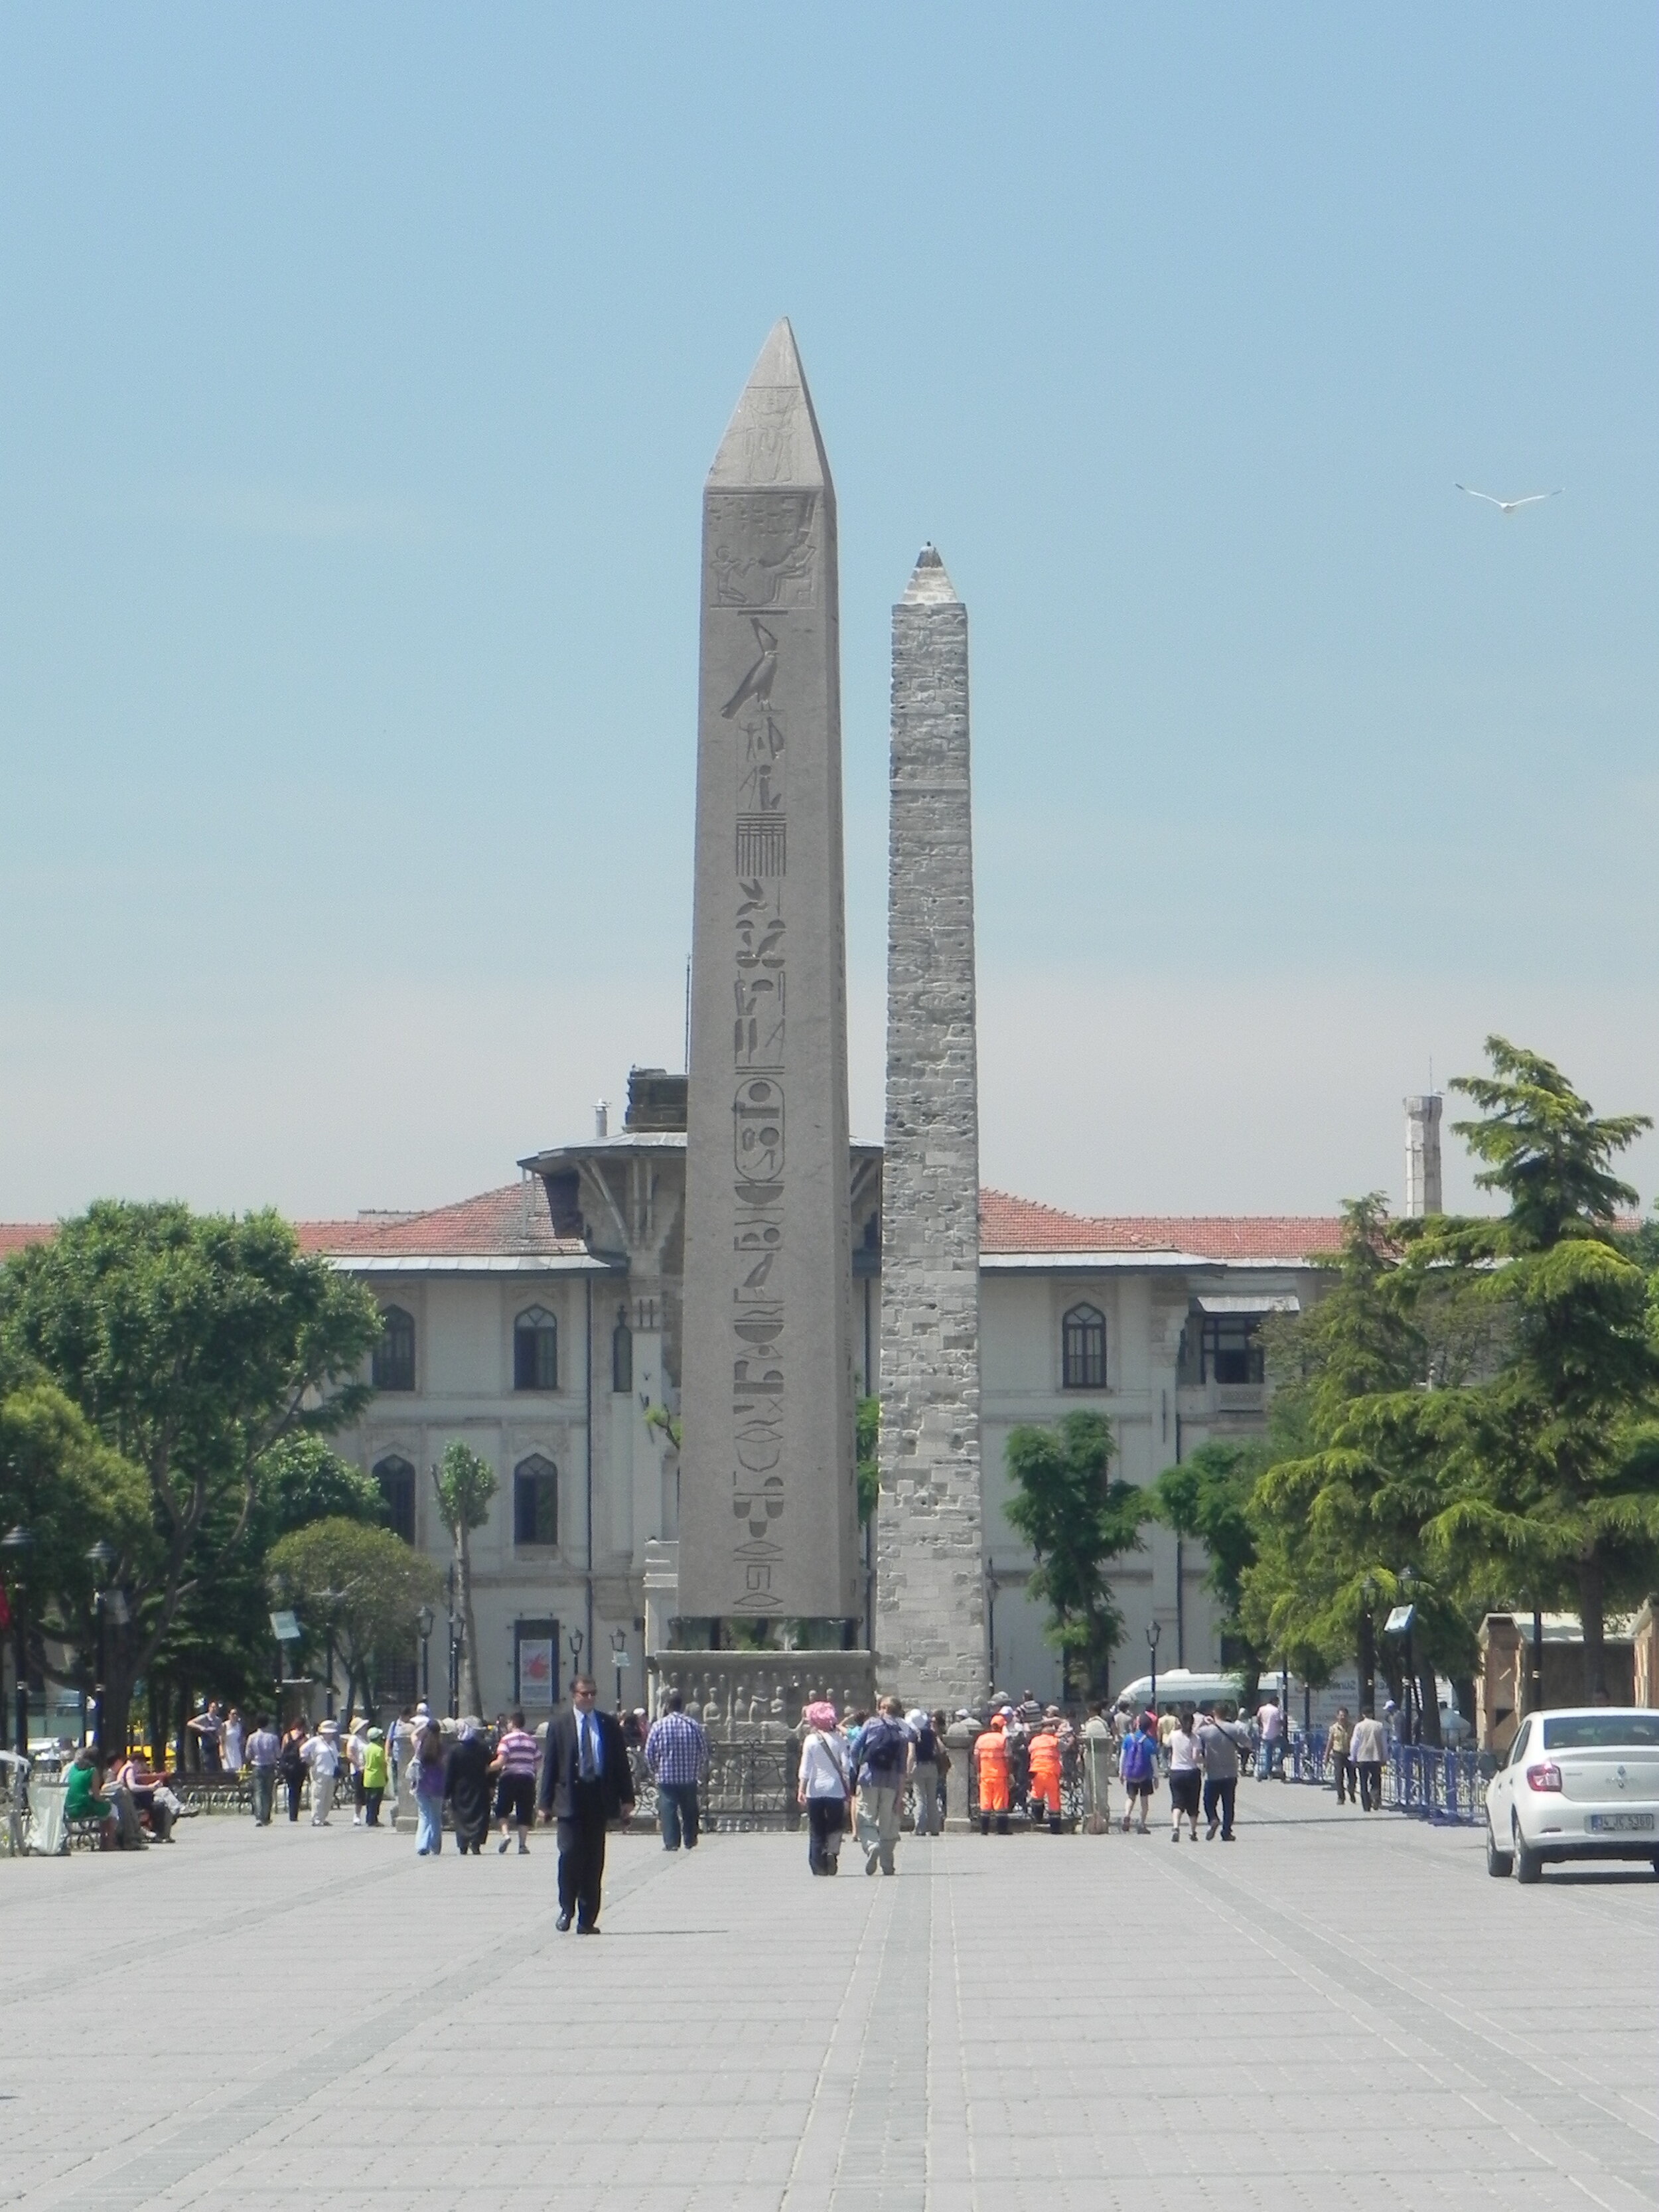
(1021, 1224)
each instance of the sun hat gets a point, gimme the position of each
(377, 1735)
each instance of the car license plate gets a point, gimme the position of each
(1621, 1824)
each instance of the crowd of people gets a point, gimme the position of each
(866, 1774)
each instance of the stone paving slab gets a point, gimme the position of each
(1337, 2011)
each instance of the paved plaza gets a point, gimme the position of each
(1334, 2012)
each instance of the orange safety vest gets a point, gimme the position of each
(991, 1753)
(1045, 1769)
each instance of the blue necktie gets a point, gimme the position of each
(590, 1769)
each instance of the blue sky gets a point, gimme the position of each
(358, 377)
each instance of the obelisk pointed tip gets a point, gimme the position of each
(772, 436)
(930, 584)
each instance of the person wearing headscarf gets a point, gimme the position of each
(427, 1772)
(991, 1759)
(823, 1785)
(467, 1786)
(924, 1774)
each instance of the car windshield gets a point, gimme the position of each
(1602, 1732)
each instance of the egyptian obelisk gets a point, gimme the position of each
(930, 1586)
(769, 1517)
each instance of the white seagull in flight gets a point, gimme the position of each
(1509, 506)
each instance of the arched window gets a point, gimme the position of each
(535, 1501)
(396, 1480)
(393, 1366)
(622, 1353)
(536, 1351)
(1083, 1349)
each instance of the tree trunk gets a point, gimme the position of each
(468, 1626)
(119, 1682)
(1428, 1706)
(1591, 1594)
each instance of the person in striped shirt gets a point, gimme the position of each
(514, 1764)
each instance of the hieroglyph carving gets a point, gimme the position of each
(759, 1154)
(760, 547)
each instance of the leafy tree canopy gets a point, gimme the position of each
(299, 1480)
(191, 1344)
(1077, 1520)
(1207, 1496)
(363, 1584)
(869, 1466)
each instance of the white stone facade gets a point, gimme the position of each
(1175, 1300)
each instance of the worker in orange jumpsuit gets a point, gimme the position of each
(991, 1757)
(1045, 1774)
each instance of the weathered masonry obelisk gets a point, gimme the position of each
(930, 1587)
(769, 1517)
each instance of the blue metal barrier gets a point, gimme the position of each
(1442, 1786)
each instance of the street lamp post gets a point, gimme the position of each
(574, 1640)
(97, 1559)
(1154, 1630)
(19, 1543)
(619, 1652)
(424, 1620)
(1367, 1648)
(1408, 1583)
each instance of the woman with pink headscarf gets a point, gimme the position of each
(824, 1787)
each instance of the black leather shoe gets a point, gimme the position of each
(562, 1923)
(588, 1927)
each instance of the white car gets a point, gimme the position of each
(1582, 1783)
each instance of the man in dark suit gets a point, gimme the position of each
(585, 1782)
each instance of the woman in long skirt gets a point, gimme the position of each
(466, 1785)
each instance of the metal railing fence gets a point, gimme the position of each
(1430, 1783)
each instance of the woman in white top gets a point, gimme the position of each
(1186, 1776)
(824, 1786)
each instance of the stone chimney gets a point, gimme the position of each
(1423, 1156)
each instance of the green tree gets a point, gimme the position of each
(1077, 1520)
(869, 1466)
(299, 1480)
(1337, 1517)
(464, 1484)
(191, 1343)
(1549, 1460)
(70, 1490)
(1207, 1499)
(361, 1586)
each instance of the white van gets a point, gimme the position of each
(1181, 1685)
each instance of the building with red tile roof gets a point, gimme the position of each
(1010, 1227)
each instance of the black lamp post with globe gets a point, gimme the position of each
(425, 1620)
(1154, 1630)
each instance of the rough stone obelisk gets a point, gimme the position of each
(930, 1585)
(768, 1516)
